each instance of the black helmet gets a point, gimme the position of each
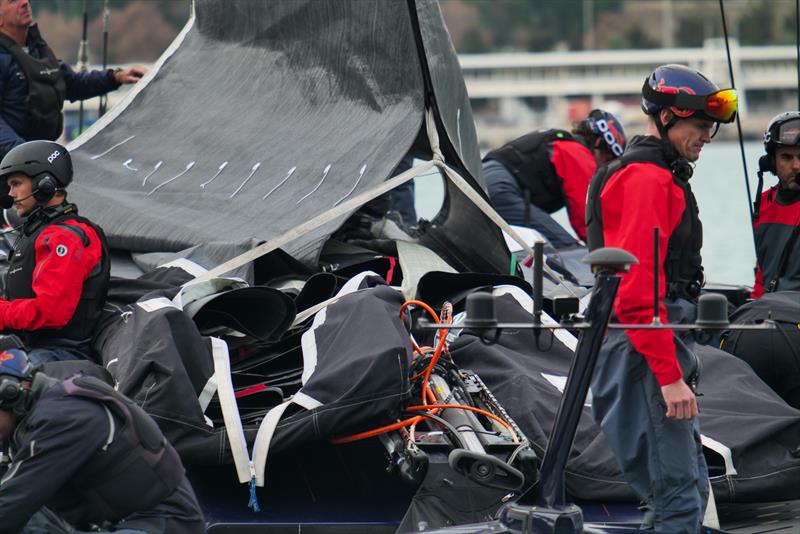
(783, 130)
(608, 128)
(687, 93)
(48, 165)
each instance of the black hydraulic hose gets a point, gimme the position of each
(738, 126)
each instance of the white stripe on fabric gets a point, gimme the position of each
(415, 262)
(308, 312)
(308, 341)
(264, 438)
(309, 344)
(230, 411)
(306, 401)
(208, 392)
(722, 450)
(111, 428)
(187, 265)
(156, 304)
(526, 302)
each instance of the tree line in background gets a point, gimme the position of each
(481, 26)
(139, 30)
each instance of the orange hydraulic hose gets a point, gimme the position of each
(427, 308)
(376, 431)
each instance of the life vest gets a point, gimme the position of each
(19, 277)
(683, 268)
(46, 86)
(528, 159)
(133, 472)
(778, 240)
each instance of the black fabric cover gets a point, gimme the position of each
(436, 287)
(257, 311)
(160, 360)
(513, 370)
(446, 498)
(361, 373)
(773, 354)
(736, 409)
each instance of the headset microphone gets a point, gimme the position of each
(8, 201)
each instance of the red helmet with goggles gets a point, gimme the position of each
(687, 93)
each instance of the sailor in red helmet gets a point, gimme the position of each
(643, 388)
(776, 216)
(57, 278)
(543, 171)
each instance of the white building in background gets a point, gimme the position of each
(515, 93)
(519, 92)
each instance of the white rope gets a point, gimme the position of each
(480, 202)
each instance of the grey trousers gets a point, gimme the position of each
(662, 459)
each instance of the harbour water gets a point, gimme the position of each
(718, 184)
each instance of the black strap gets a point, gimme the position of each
(679, 100)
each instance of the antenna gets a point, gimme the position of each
(82, 60)
(656, 274)
(738, 125)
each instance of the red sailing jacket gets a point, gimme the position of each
(776, 224)
(62, 265)
(636, 199)
(575, 165)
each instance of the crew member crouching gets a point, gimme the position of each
(57, 277)
(544, 171)
(84, 456)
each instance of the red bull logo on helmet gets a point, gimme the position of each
(662, 87)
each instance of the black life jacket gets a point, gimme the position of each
(683, 268)
(19, 277)
(135, 470)
(778, 244)
(46, 86)
(528, 159)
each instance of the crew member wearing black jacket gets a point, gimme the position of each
(85, 457)
(543, 171)
(777, 211)
(57, 278)
(34, 83)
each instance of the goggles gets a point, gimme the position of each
(719, 106)
(788, 133)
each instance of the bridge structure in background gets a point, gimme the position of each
(513, 93)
